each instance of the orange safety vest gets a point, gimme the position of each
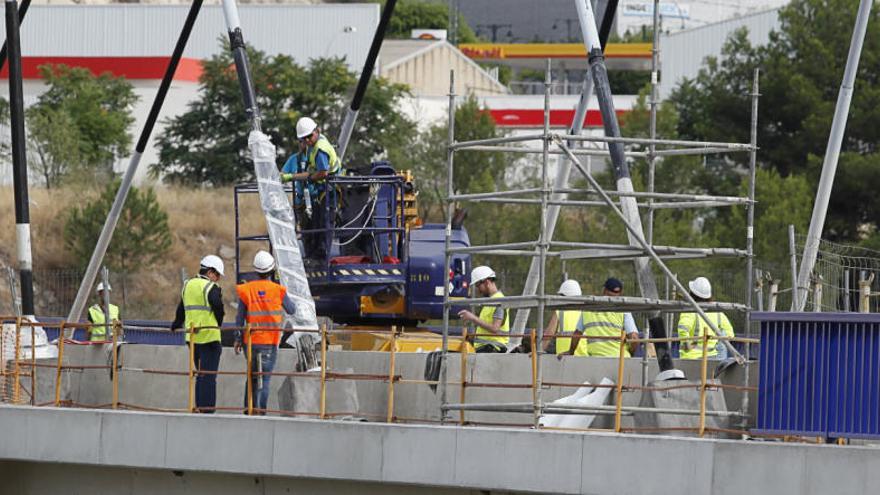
(265, 310)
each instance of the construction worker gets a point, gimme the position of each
(316, 161)
(493, 323)
(98, 317)
(691, 326)
(261, 305)
(201, 308)
(566, 322)
(606, 324)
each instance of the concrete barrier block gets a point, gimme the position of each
(413, 454)
(217, 443)
(328, 449)
(775, 468)
(63, 437)
(143, 446)
(659, 465)
(543, 461)
(14, 444)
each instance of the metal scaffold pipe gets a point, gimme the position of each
(19, 162)
(563, 169)
(352, 113)
(125, 186)
(22, 11)
(832, 154)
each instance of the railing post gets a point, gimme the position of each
(463, 372)
(323, 411)
(115, 370)
(865, 292)
(16, 386)
(249, 374)
(390, 406)
(774, 295)
(704, 364)
(191, 399)
(33, 365)
(619, 390)
(817, 293)
(59, 365)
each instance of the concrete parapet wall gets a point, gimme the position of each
(125, 443)
(412, 401)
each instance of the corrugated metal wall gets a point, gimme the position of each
(301, 31)
(682, 53)
(427, 74)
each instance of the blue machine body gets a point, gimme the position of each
(382, 267)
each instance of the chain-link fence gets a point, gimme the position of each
(845, 278)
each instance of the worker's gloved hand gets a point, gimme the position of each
(286, 178)
(237, 347)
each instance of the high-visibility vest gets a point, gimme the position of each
(487, 315)
(265, 309)
(566, 324)
(96, 314)
(198, 310)
(691, 326)
(322, 144)
(604, 324)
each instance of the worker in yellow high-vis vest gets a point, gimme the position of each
(609, 325)
(493, 323)
(310, 168)
(564, 324)
(692, 327)
(201, 307)
(97, 316)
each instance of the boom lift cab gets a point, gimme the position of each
(384, 265)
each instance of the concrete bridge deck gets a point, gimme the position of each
(77, 451)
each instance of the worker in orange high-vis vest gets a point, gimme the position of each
(261, 305)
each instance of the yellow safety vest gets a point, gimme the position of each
(486, 315)
(691, 326)
(198, 310)
(324, 145)
(96, 314)
(566, 324)
(604, 324)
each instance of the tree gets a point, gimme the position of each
(801, 68)
(207, 145)
(142, 236)
(415, 14)
(95, 112)
(53, 144)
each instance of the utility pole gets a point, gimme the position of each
(19, 161)
(494, 29)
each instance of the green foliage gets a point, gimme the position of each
(96, 112)
(53, 144)
(207, 145)
(142, 236)
(801, 70)
(416, 14)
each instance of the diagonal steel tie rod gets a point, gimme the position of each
(637, 235)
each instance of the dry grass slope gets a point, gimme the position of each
(201, 220)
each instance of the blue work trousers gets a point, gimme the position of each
(262, 361)
(206, 359)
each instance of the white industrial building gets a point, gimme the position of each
(683, 53)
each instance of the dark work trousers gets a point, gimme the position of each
(315, 243)
(206, 357)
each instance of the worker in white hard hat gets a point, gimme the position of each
(692, 327)
(201, 313)
(603, 329)
(310, 168)
(493, 323)
(564, 324)
(98, 315)
(261, 306)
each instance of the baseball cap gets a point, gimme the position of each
(613, 285)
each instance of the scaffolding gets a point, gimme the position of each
(543, 248)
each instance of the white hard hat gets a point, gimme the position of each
(481, 273)
(264, 262)
(305, 126)
(570, 288)
(100, 287)
(701, 287)
(211, 261)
